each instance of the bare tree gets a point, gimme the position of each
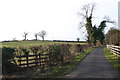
(78, 39)
(36, 34)
(87, 15)
(14, 39)
(25, 35)
(42, 34)
(95, 33)
(113, 36)
(107, 19)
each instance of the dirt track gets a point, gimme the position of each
(94, 65)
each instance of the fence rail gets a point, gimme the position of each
(114, 49)
(33, 60)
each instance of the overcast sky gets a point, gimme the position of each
(119, 15)
(58, 18)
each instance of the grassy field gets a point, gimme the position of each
(115, 62)
(32, 43)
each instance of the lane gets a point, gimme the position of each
(95, 65)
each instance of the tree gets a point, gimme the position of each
(14, 39)
(88, 15)
(94, 33)
(101, 27)
(113, 36)
(25, 35)
(36, 34)
(78, 39)
(42, 34)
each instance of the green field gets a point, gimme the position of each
(32, 43)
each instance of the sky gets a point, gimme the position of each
(119, 15)
(59, 18)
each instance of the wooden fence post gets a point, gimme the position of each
(27, 60)
(20, 61)
(40, 59)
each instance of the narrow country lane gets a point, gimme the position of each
(95, 65)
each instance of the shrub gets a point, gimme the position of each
(8, 54)
(35, 49)
(63, 53)
(113, 36)
(25, 51)
(75, 49)
(66, 53)
(54, 54)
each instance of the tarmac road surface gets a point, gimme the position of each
(95, 65)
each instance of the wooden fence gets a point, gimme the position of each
(114, 49)
(33, 60)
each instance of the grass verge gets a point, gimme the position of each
(114, 60)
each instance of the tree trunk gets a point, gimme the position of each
(25, 37)
(43, 38)
(36, 37)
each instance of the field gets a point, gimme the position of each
(32, 43)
